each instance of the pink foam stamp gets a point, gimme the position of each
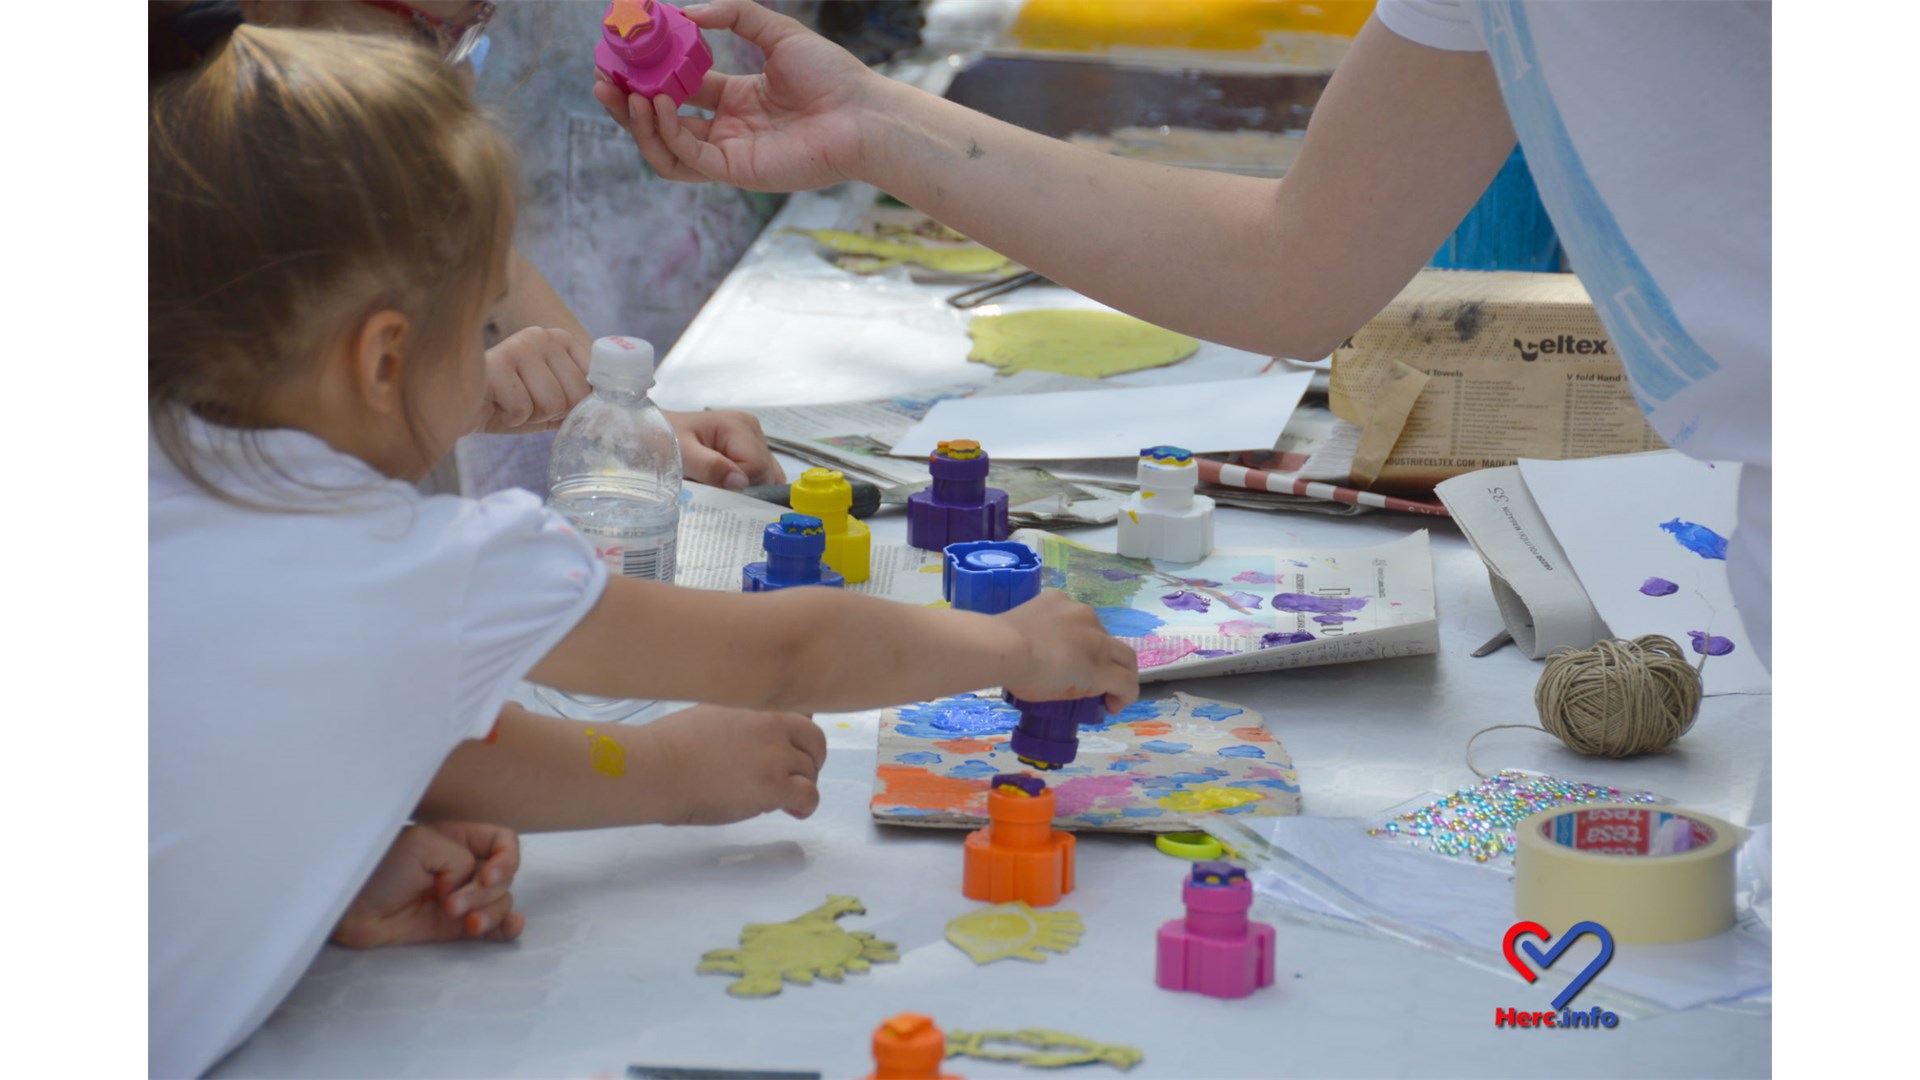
(1216, 950)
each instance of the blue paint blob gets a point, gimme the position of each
(1210, 653)
(1142, 811)
(1216, 711)
(1241, 751)
(1708, 645)
(910, 811)
(1698, 539)
(1268, 641)
(1277, 785)
(919, 757)
(1245, 600)
(1052, 577)
(1144, 709)
(1162, 785)
(962, 714)
(1129, 622)
(1332, 620)
(973, 769)
(1658, 586)
(1161, 746)
(1318, 605)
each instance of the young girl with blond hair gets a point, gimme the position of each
(328, 225)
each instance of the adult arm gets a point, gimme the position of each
(1401, 145)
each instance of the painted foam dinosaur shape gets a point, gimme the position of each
(797, 950)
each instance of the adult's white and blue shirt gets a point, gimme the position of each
(1648, 127)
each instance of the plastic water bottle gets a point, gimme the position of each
(615, 476)
(615, 470)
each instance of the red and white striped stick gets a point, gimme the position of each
(1216, 472)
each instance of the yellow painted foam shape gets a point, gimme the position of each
(1040, 1048)
(1014, 930)
(798, 950)
(972, 259)
(1091, 344)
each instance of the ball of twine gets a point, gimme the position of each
(1619, 698)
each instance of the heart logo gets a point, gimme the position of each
(1546, 959)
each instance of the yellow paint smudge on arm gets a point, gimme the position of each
(607, 757)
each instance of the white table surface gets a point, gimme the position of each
(617, 919)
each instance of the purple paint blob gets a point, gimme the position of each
(1698, 539)
(1319, 605)
(1255, 577)
(1033, 786)
(1331, 620)
(1186, 601)
(1118, 575)
(1708, 645)
(1658, 586)
(1245, 599)
(1268, 641)
(1211, 653)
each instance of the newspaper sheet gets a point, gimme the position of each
(720, 533)
(1467, 370)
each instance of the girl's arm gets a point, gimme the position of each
(703, 766)
(815, 648)
(1401, 144)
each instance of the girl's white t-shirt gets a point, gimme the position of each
(1648, 128)
(309, 670)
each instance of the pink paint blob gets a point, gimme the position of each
(1083, 793)
(1159, 651)
(1242, 627)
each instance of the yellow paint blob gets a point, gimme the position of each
(608, 758)
(1208, 798)
(1090, 344)
(967, 259)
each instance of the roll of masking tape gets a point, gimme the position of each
(1650, 875)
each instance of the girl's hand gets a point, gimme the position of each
(534, 379)
(724, 765)
(438, 882)
(724, 449)
(1071, 655)
(793, 127)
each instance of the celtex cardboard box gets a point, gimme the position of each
(1468, 370)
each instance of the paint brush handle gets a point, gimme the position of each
(866, 496)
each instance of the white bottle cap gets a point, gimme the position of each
(621, 363)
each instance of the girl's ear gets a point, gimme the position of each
(378, 363)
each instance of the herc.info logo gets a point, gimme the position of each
(1561, 1016)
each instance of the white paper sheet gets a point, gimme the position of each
(1235, 414)
(1640, 530)
(1540, 598)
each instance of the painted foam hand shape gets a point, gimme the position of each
(799, 950)
(1015, 930)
